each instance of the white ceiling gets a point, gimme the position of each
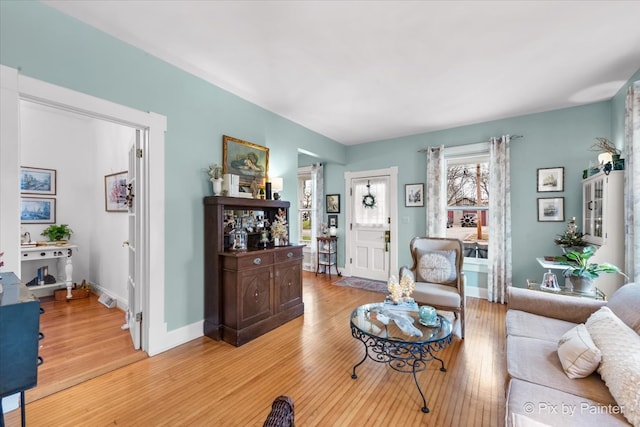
(360, 71)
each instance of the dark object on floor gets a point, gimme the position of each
(281, 414)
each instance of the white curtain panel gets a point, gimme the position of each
(436, 193)
(499, 277)
(317, 212)
(632, 183)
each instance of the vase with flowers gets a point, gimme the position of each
(215, 176)
(279, 231)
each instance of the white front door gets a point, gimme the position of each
(370, 227)
(134, 198)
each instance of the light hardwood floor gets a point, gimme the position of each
(310, 359)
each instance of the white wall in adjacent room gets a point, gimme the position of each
(82, 150)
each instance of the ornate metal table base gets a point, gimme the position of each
(401, 354)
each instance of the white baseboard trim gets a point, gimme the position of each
(176, 337)
(472, 291)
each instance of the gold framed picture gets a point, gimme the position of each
(247, 160)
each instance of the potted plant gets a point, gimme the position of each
(572, 238)
(215, 176)
(581, 272)
(56, 232)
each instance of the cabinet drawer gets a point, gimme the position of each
(288, 254)
(249, 260)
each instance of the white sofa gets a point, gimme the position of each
(539, 391)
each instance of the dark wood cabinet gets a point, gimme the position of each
(249, 292)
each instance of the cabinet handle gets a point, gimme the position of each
(40, 336)
(42, 310)
(590, 205)
(257, 261)
(289, 254)
(40, 361)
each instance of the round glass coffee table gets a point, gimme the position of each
(387, 337)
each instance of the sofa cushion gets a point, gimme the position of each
(436, 295)
(436, 266)
(624, 303)
(527, 401)
(537, 361)
(524, 324)
(578, 355)
(620, 366)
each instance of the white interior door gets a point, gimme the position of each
(369, 249)
(134, 198)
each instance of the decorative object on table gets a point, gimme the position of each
(238, 237)
(333, 230)
(400, 292)
(37, 181)
(581, 272)
(609, 157)
(324, 229)
(550, 282)
(279, 232)
(245, 159)
(429, 316)
(414, 195)
(215, 176)
(57, 233)
(333, 203)
(115, 192)
(572, 238)
(277, 185)
(37, 210)
(550, 179)
(369, 200)
(230, 185)
(550, 209)
(254, 188)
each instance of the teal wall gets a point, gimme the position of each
(550, 139)
(55, 48)
(48, 45)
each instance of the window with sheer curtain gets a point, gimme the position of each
(377, 215)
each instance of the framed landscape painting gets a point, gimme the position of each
(247, 160)
(550, 209)
(37, 210)
(37, 181)
(550, 179)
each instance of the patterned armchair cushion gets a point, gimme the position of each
(436, 266)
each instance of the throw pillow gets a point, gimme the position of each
(620, 365)
(578, 354)
(437, 266)
(624, 304)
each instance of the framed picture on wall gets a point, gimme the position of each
(333, 203)
(550, 179)
(247, 160)
(37, 210)
(37, 181)
(551, 209)
(115, 192)
(414, 195)
(333, 220)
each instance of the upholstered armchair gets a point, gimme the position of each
(437, 273)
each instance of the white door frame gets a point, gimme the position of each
(393, 214)
(16, 87)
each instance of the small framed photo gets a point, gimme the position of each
(550, 209)
(550, 179)
(37, 210)
(414, 195)
(37, 181)
(115, 192)
(333, 203)
(333, 220)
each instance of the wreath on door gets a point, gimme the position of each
(369, 200)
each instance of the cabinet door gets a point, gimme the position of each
(288, 283)
(255, 296)
(593, 213)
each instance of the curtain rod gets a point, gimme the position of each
(424, 150)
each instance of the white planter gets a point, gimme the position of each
(217, 186)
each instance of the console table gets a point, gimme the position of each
(63, 256)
